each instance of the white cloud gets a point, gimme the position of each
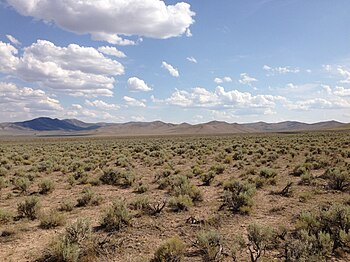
(13, 40)
(8, 59)
(107, 20)
(328, 68)
(188, 32)
(25, 102)
(111, 50)
(317, 103)
(341, 91)
(327, 89)
(173, 71)
(78, 111)
(344, 73)
(218, 80)
(101, 105)
(192, 59)
(138, 118)
(267, 68)
(136, 84)
(281, 70)
(202, 98)
(74, 70)
(246, 79)
(112, 39)
(226, 79)
(130, 101)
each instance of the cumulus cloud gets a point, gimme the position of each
(130, 101)
(338, 70)
(80, 112)
(281, 70)
(135, 84)
(192, 59)
(25, 102)
(316, 103)
(8, 59)
(138, 118)
(101, 105)
(246, 79)
(111, 50)
(150, 18)
(173, 71)
(344, 73)
(13, 40)
(220, 98)
(226, 79)
(74, 70)
(341, 91)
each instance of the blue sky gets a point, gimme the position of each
(195, 61)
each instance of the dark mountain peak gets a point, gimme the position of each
(54, 124)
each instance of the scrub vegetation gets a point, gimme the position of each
(256, 197)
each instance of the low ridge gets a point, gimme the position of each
(71, 126)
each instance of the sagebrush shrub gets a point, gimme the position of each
(118, 178)
(116, 217)
(5, 216)
(238, 196)
(29, 208)
(210, 243)
(180, 203)
(46, 186)
(22, 184)
(172, 250)
(52, 219)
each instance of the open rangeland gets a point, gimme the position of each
(256, 197)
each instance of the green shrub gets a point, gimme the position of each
(300, 170)
(208, 177)
(141, 188)
(181, 185)
(337, 179)
(210, 243)
(116, 217)
(52, 219)
(66, 205)
(88, 197)
(46, 186)
(22, 184)
(5, 217)
(70, 246)
(260, 238)
(197, 171)
(268, 173)
(172, 250)
(118, 178)
(334, 221)
(180, 203)
(140, 203)
(218, 169)
(29, 208)
(3, 183)
(238, 196)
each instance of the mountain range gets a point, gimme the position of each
(49, 126)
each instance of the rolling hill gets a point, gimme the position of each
(49, 126)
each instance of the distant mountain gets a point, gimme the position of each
(49, 126)
(292, 126)
(81, 124)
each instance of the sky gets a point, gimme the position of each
(194, 61)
